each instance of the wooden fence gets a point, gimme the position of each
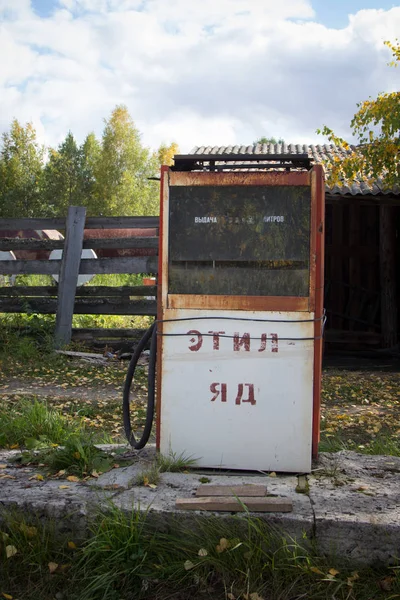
(67, 298)
(360, 275)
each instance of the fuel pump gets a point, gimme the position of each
(240, 312)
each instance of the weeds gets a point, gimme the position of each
(174, 463)
(171, 463)
(149, 476)
(79, 456)
(33, 424)
(127, 556)
(384, 443)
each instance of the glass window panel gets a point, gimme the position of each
(239, 240)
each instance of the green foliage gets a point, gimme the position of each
(149, 476)
(269, 140)
(37, 546)
(165, 154)
(174, 463)
(111, 177)
(376, 126)
(62, 181)
(170, 463)
(78, 456)
(32, 423)
(123, 169)
(21, 164)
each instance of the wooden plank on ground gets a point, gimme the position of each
(224, 503)
(249, 490)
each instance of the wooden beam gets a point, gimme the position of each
(91, 223)
(122, 264)
(387, 259)
(69, 273)
(32, 223)
(109, 243)
(88, 266)
(27, 267)
(29, 244)
(21, 291)
(82, 306)
(122, 222)
(224, 503)
(122, 243)
(249, 490)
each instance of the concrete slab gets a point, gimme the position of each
(356, 503)
(350, 504)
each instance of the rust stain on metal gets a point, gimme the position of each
(297, 178)
(269, 303)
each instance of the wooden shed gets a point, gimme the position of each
(362, 252)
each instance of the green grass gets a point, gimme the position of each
(126, 557)
(384, 444)
(148, 476)
(171, 463)
(79, 456)
(174, 463)
(33, 423)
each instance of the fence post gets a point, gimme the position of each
(69, 271)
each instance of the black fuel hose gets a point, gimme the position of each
(151, 334)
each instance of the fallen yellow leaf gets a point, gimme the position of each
(63, 487)
(38, 477)
(52, 567)
(3, 466)
(7, 596)
(29, 531)
(95, 474)
(273, 474)
(334, 572)
(11, 551)
(72, 545)
(316, 570)
(14, 446)
(223, 545)
(72, 478)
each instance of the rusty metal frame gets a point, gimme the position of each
(318, 190)
(312, 303)
(205, 301)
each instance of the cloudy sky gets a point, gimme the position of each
(194, 71)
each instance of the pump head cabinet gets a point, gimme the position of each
(240, 317)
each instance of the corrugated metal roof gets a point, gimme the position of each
(317, 153)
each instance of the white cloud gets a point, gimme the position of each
(210, 72)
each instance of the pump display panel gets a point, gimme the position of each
(239, 240)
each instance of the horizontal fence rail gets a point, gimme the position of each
(67, 298)
(90, 223)
(88, 266)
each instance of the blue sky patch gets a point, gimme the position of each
(334, 13)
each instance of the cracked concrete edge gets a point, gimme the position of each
(350, 508)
